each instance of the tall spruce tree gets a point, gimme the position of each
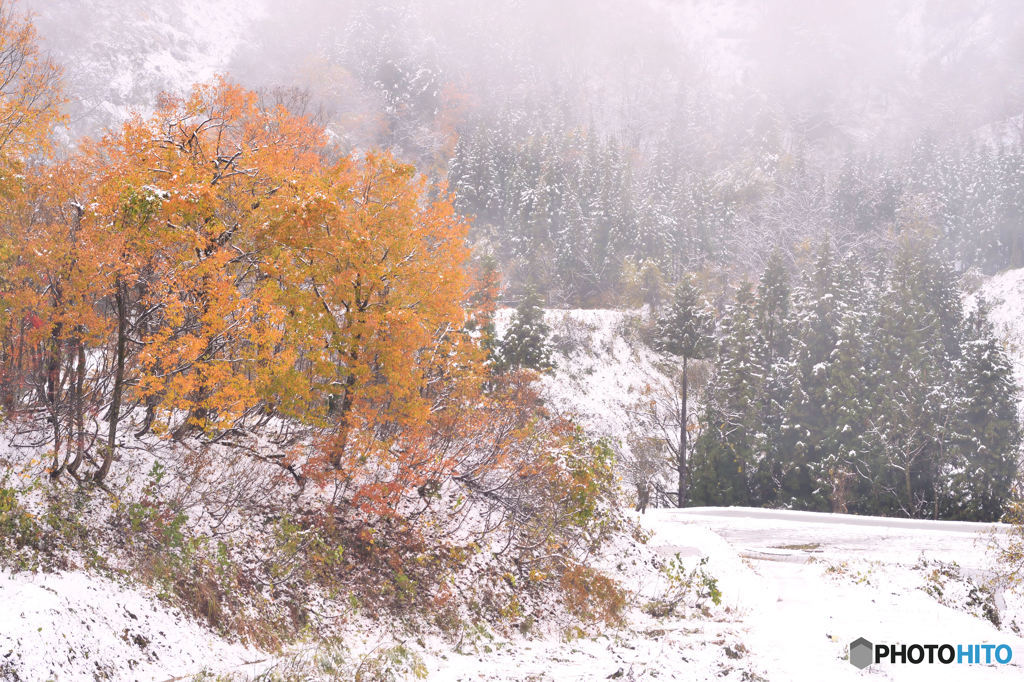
(774, 327)
(526, 343)
(685, 330)
(819, 307)
(917, 343)
(726, 453)
(987, 459)
(838, 466)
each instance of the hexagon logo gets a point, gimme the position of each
(861, 653)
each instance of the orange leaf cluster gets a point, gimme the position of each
(215, 268)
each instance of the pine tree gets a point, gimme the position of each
(526, 344)
(725, 454)
(685, 330)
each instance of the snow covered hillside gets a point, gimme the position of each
(602, 366)
(608, 379)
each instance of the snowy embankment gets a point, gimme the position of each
(72, 626)
(797, 587)
(602, 367)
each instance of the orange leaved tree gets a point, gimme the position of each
(248, 277)
(381, 295)
(215, 271)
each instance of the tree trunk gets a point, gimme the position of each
(344, 410)
(342, 413)
(79, 407)
(115, 401)
(7, 375)
(681, 463)
(53, 384)
(910, 490)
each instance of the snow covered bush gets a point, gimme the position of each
(946, 582)
(18, 528)
(685, 588)
(571, 335)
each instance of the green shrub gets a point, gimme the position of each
(686, 588)
(19, 531)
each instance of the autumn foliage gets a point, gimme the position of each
(215, 272)
(211, 269)
(298, 333)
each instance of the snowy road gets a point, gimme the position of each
(807, 584)
(793, 535)
(783, 519)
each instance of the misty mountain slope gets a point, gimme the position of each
(845, 73)
(119, 56)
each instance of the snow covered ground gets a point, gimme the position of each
(797, 588)
(812, 583)
(75, 626)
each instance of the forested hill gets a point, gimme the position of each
(672, 136)
(843, 388)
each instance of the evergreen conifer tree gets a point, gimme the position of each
(685, 330)
(989, 427)
(774, 330)
(526, 344)
(837, 468)
(725, 454)
(818, 310)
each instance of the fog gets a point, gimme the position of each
(712, 125)
(833, 76)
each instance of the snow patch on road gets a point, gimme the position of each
(818, 581)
